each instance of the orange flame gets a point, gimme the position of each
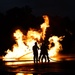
(44, 26)
(24, 43)
(53, 51)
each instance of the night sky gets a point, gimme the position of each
(53, 7)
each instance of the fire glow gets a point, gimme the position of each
(22, 50)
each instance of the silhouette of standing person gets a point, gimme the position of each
(41, 53)
(44, 53)
(35, 52)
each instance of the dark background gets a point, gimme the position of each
(24, 14)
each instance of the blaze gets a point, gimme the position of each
(22, 50)
(44, 26)
(53, 51)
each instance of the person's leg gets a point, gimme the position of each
(37, 59)
(40, 56)
(48, 57)
(45, 58)
(34, 59)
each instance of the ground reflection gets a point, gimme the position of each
(23, 74)
(61, 67)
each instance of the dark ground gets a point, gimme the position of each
(52, 68)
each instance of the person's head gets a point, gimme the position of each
(35, 43)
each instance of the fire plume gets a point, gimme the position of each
(53, 51)
(24, 43)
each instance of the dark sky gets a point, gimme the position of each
(54, 7)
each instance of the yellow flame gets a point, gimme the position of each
(44, 26)
(53, 51)
(23, 48)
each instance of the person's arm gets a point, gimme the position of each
(38, 47)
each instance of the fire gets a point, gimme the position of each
(53, 51)
(18, 48)
(44, 26)
(23, 48)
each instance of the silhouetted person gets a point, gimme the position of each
(35, 52)
(44, 53)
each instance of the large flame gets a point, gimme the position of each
(24, 43)
(53, 51)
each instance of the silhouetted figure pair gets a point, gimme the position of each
(35, 52)
(44, 53)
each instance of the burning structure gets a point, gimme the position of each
(22, 50)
